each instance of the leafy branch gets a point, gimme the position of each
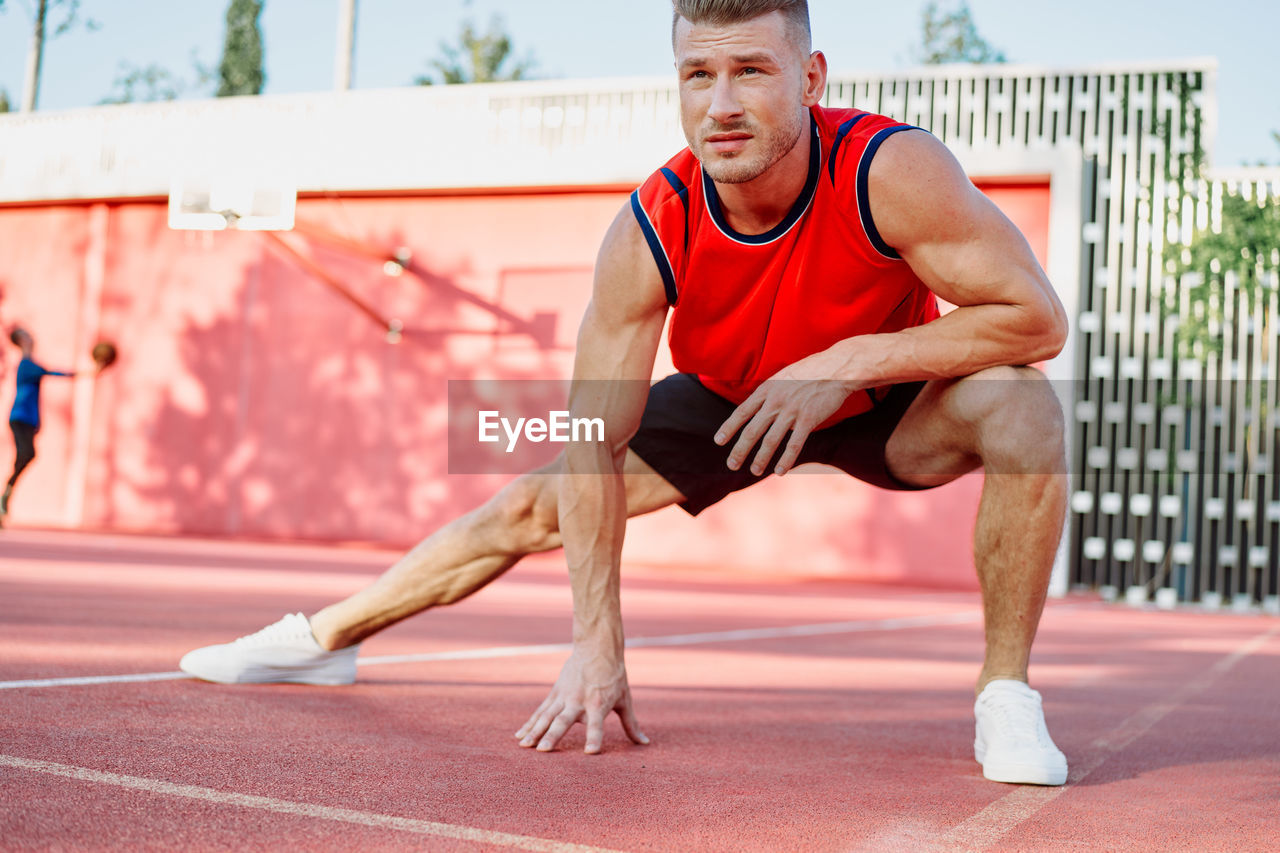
(953, 37)
(477, 58)
(154, 82)
(1243, 239)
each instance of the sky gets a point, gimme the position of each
(628, 38)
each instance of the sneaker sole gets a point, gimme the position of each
(274, 678)
(319, 679)
(1025, 774)
(269, 675)
(1019, 774)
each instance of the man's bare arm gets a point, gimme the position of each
(966, 251)
(614, 361)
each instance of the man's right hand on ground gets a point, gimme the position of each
(590, 686)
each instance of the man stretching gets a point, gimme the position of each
(799, 249)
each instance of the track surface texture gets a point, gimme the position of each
(785, 715)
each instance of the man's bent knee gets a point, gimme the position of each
(1018, 420)
(524, 514)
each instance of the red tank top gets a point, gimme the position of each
(746, 306)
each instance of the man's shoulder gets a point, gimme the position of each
(846, 124)
(852, 140)
(832, 118)
(669, 187)
(677, 173)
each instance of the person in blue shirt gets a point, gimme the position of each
(24, 418)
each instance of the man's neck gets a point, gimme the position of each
(758, 205)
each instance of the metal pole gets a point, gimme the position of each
(35, 58)
(346, 45)
(391, 326)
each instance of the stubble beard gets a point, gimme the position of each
(736, 169)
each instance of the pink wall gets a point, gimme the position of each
(250, 400)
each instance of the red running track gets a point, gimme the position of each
(791, 716)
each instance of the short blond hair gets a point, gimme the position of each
(718, 13)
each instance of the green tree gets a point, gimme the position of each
(240, 72)
(154, 82)
(477, 58)
(952, 36)
(1244, 240)
(40, 26)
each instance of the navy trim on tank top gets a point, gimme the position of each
(655, 247)
(841, 133)
(793, 215)
(678, 185)
(864, 206)
(683, 192)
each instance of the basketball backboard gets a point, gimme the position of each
(244, 204)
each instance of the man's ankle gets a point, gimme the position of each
(328, 638)
(995, 675)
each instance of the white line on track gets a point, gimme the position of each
(270, 804)
(734, 636)
(987, 827)
(80, 681)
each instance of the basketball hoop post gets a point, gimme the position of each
(391, 326)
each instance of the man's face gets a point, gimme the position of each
(741, 94)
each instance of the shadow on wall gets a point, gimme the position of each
(287, 414)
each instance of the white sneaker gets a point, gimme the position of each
(285, 651)
(1012, 742)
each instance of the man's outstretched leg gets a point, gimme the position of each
(450, 564)
(1008, 421)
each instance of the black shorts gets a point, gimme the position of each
(675, 438)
